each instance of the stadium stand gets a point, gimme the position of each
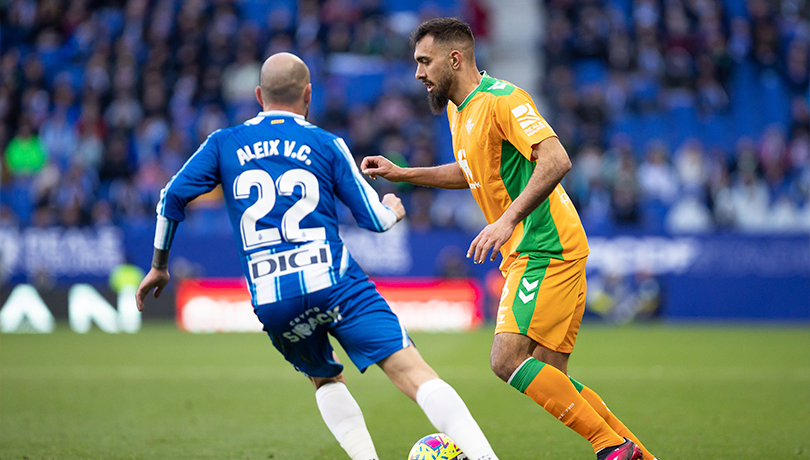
(680, 116)
(689, 116)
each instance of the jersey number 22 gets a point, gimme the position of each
(290, 223)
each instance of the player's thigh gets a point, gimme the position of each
(543, 299)
(298, 328)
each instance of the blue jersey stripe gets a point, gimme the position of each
(164, 232)
(381, 215)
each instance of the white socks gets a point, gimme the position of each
(440, 402)
(345, 420)
(448, 413)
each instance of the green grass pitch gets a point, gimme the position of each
(689, 392)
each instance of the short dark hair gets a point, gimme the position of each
(444, 30)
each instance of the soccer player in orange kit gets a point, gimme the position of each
(512, 162)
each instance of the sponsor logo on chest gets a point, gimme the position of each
(465, 166)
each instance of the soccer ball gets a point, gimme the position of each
(436, 446)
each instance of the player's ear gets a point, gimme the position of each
(308, 93)
(259, 98)
(455, 59)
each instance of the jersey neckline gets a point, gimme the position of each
(280, 113)
(469, 97)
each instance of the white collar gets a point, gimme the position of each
(280, 113)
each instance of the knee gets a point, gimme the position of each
(508, 352)
(503, 368)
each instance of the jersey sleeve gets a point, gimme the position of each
(199, 175)
(520, 123)
(353, 190)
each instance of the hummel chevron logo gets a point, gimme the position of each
(526, 298)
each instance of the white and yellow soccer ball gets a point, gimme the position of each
(437, 446)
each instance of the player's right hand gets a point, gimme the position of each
(155, 279)
(380, 166)
(395, 204)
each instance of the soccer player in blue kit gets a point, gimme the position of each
(280, 176)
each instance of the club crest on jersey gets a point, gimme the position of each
(469, 125)
(464, 165)
(291, 261)
(528, 118)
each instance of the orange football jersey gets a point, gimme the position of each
(494, 131)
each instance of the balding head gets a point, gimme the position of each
(283, 80)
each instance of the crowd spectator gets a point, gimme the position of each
(708, 98)
(25, 154)
(686, 115)
(101, 101)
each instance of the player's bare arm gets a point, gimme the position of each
(157, 278)
(552, 165)
(447, 176)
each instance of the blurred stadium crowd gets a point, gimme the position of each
(686, 115)
(689, 115)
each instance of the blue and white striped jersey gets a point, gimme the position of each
(280, 176)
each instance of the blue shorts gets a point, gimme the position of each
(351, 310)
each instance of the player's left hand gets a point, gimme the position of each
(493, 236)
(395, 204)
(155, 279)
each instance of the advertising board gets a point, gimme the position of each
(422, 304)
